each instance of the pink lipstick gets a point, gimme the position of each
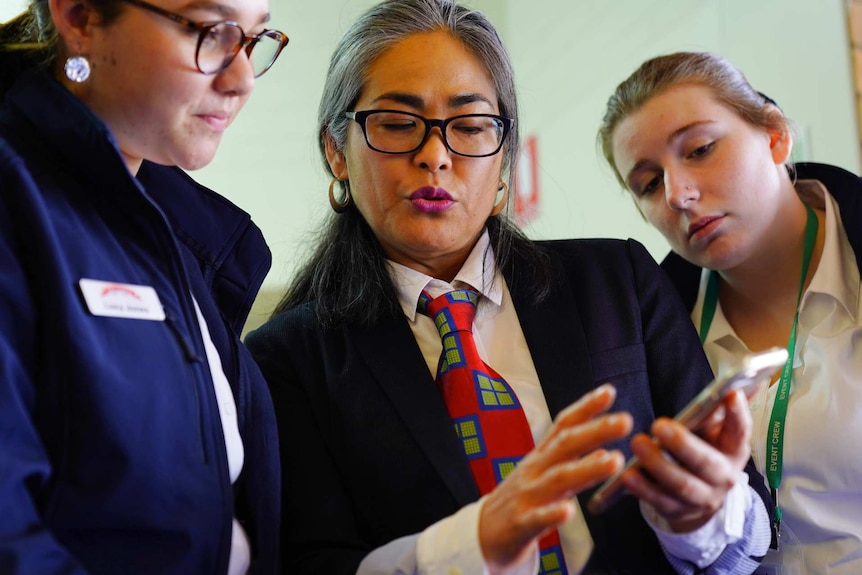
(431, 200)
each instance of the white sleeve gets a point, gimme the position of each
(448, 547)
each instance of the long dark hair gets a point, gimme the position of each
(347, 276)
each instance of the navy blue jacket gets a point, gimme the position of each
(358, 408)
(112, 455)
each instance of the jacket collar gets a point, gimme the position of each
(552, 329)
(229, 248)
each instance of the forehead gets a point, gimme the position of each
(428, 65)
(664, 114)
(244, 12)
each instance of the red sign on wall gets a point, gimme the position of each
(527, 182)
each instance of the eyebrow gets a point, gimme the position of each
(678, 133)
(418, 103)
(675, 135)
(222, 10)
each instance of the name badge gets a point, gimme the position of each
(111, 299)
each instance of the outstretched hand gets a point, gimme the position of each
(538, 495)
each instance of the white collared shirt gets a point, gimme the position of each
(452, 544)
(821, 489)
(501, 344)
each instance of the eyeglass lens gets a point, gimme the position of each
(396, 133)
(221, 42)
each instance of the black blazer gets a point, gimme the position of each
(367, 444)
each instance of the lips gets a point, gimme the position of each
(703, 226)
(433, 200)
(217, 121)
(431, 193)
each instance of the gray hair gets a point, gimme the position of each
(347, 276)
(387, 24)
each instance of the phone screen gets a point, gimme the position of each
(748, 373)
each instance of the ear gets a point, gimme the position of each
(781, 144)
(74, 20)
(780, 139)
(335, 158)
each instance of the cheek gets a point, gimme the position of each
(485, 184)
(657, 214)
(370, 185)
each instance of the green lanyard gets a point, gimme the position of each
(775, 436)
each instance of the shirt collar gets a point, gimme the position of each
(837, 275)
(478, 272)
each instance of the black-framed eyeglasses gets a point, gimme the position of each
(397, 132)
(220, 42)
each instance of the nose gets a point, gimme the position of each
(434, 154)
(238, 78)
(679, 191)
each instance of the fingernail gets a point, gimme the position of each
(608, 456)
(663, 431)
(639, 448)
(604, 388)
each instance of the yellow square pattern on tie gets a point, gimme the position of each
(453, 357)
(466, 428)
(442, 324)
(504, 469)
(472, 446)
(468, 432)
(461, 295)
(550, 562)
(494, 392)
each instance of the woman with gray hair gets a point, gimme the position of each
(418, 273)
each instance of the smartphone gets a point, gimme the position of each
(748, 373)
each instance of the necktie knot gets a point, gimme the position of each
(452, 311)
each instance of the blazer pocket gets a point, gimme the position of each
(613, 364)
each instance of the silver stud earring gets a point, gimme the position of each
(77, 69)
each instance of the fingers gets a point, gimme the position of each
(570, 478)
(686, 477)
(507, 542)
(538, 495)
(587, 407)
(674, 491)
(522, 508)
(581, 427)
(735, 437)
(570, 443)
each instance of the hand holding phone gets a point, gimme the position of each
(748, 373)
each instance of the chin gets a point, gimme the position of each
(196, 162)
(717, 260)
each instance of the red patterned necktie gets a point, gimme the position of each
(486, 412)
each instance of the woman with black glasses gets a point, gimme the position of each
(136, 433)
(394, 472)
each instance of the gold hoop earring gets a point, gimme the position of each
(501, 205)
(337, 206)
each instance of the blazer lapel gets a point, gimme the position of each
(555, 336)
(393, 357)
